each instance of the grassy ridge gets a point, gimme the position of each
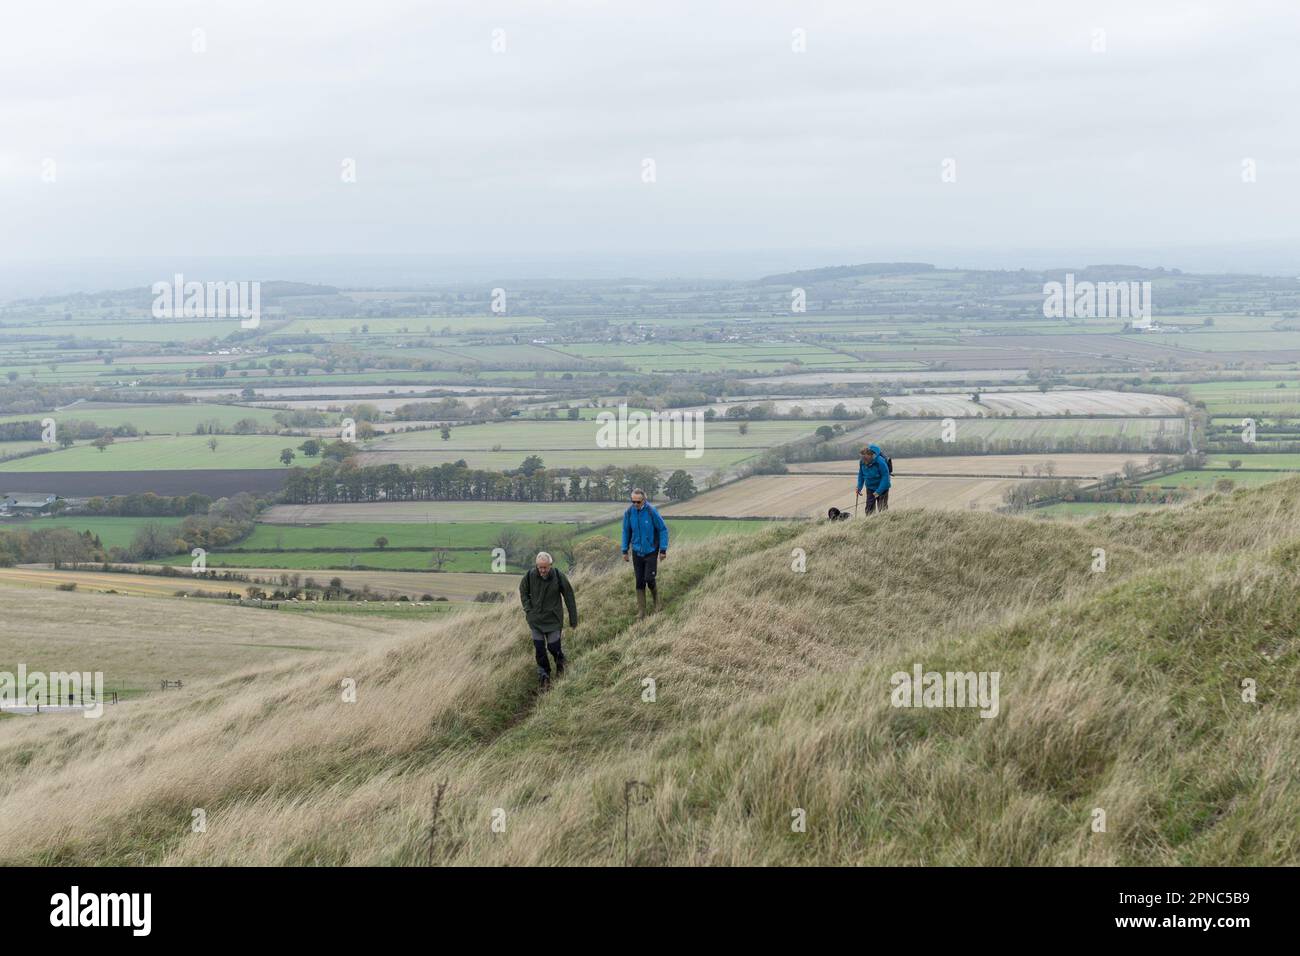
(1120, 691)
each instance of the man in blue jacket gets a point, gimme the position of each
(645, 533)
(873, 474)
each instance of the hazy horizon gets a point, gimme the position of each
(36, 278)
(494, 139)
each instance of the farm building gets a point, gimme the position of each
(27, 503)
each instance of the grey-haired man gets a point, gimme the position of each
(545, 593)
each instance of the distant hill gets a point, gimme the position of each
(279, 289)
(847, 272)
(1120, 692)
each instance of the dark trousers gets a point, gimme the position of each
(646, 567)
(877, 502)
(541, 642)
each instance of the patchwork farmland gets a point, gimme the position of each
(437, 439)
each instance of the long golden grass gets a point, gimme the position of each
(1121, 692)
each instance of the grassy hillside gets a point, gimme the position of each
(1120, 691)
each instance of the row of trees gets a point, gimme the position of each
(441, 409)
(148, 505)
(33, 398)
(1140, 494)
(68, 431)
(1115, 487)
(592, 553)
(227, 521)
(455, 481)
(765, 410)
(56, 546)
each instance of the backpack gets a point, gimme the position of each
(890, 462)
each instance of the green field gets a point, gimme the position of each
(681, 530)
(112, 532)
(1264, 460)
(661, 356)
(1254, 341)
(1223, 397)
(473, 534)
(144, 331)
(1088, 509)
(545, 435)
(665, 459)
(1205, 479)
(416, 325)
(13, 449)
(187, 452)
(153, 418)
(428, 513)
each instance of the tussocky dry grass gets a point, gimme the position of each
(1120, 691)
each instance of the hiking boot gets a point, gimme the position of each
(543, 683)
(654, 607)
(559, 665)
(640, 605)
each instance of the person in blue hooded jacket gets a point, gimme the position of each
(873, 474)
(646, 536)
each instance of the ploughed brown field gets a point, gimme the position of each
(809, 496)
(955, 483)
(1067, 466)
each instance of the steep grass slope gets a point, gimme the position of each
(1120, 691)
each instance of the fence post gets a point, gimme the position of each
(634, 791)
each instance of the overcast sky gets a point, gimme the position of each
(829, 155)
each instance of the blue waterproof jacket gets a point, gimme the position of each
(875, 476)
(643, 528)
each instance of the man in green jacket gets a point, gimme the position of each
(545, 592)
